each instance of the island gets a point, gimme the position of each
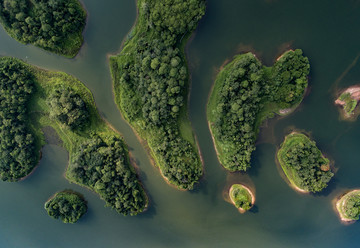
(348, 206)
(348, 100)
(304, 165)
(242, 197)
(55, 26)
(246, 93)
(32, 99)
(69, 206)
(151, 83)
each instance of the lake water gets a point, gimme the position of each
(327, 31)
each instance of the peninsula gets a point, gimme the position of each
(33, 98)
(348, 100)
(303, 163)
(348, 206)
(242, 197)
(244, 94)
(55, 26)
(151, 84)
(69, 206)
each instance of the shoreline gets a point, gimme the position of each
(336, 204)
(248, 190)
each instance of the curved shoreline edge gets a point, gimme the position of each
(339, 202)
(248, 190)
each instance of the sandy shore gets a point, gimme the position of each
(340, 204)
(249, 191)
(290, 50)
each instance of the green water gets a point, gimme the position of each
(327, 31)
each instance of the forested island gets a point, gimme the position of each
(348, 206)
(242, 197)
(246, 93)
(348, 100)
(54, 25)
(151, 83)
(303, 163)
(32, 99)
(66, 205)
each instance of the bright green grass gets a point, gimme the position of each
(240, 196)
(350, 103)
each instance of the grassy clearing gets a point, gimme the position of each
(241, 197)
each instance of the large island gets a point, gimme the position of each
(55, 26)
(33, 98)
(303, 163)
(246, 93)
(151, 83)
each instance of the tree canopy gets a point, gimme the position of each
(246, 93)
(151, 85)
(54, 25)
(67, 205)
(18, 155)
(303, 163)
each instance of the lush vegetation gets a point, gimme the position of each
(245, 93)
(241, 197)
(67, 205)
(151, 85)
(18, 152)
(349, 205)
(68, 108)
(350, 103)
(99, 158)
(303, 163)
(54, 25)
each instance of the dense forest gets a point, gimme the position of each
(66, 205)
(99, 157)
(68, 108)
(18, 154)
(349, 205)
(104, 166)
(245, 93)
(151, 85)
(303, 163)
(54, 25)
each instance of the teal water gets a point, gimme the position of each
(327, 31)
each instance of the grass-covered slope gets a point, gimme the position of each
(303, 163)
(99, 158)
(66, 205)
(241, 197)
(245, 93)
(348, 206)
(54, 25)
(151, 83)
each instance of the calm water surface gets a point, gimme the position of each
(327, 31)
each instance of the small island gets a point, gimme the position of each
(348, 206)
(348, 100)
(303, 164)
(242, 197)
(55, 26)
(69, 206)
(245, 94)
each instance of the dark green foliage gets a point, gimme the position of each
(151, 81)
(68, 108)
(104, 167)
(67, 205)
(17, 151)
(55, 25)
(246, 93)
(351, 208)
(304, 162)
